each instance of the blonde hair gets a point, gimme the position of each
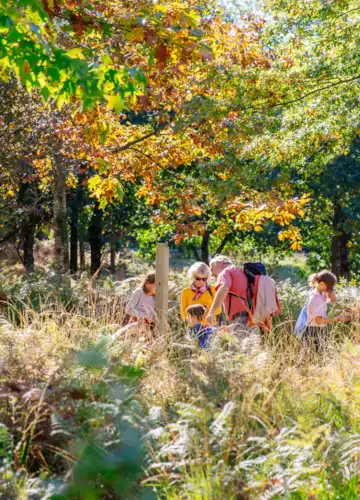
(198, 267)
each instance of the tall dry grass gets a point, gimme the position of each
(256, 417)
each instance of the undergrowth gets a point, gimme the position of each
(89, 414)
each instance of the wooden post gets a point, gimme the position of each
(162, 287)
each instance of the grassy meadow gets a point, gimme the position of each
(87, 414)
(210, 126)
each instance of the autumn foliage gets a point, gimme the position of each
(136, 90)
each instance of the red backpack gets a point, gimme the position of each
(251, 270)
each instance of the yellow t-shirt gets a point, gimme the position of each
(187, 299)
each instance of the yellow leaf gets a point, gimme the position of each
(137, 34)
(116, 102)
(75, 53)
(296, 246)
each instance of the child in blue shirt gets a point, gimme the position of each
(195, 314)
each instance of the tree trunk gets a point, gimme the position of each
(113, 241)
(340, 255)
(95, 239)
(27, 199)
(205, 247)
(339, 246)
(80, 202)
(28, 237)
(344, 255)
(82, 251)
(74, 237)
(60, 217)
(223, 244)
(113, 253)
(195, 251)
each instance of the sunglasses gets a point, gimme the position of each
(200, 279)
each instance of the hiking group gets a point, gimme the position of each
(243, 299)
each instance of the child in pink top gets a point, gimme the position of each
(317, 319)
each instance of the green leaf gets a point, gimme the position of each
(45, 92)
(101, 162)
(119, 191)
(103, 203)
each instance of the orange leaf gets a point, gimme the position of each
(78, 24)
(161, 55)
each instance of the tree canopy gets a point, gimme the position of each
(219, 123)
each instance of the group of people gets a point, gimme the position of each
(243, 299)
(232, 303)
(206, 308)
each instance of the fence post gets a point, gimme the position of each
(162, 287)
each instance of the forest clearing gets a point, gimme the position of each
(179, 249)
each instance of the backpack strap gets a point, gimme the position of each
(238, 297)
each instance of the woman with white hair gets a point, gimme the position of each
(200, 291)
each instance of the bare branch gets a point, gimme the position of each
(343, 14)
(321, 89)
(223, 244)
(17, 248)
(149, 157)
(130, 144)
(10, 235)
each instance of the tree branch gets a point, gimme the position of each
(128, 145)
(343, 14)
(223, 244)
(304, 96)
(92, 20)
(10, 235)
(196, 251)
(17, 248)
(146, 156)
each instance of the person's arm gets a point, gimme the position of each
(319, 320)
(218, 302)
(316, 310)
(225, 328)
(184, 304)
(218, 310)
(133, 308)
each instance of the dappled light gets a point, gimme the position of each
(179, 249)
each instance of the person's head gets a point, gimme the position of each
(195, 314)
(149, 284)
(324, 281)
(199, 274)
(218, 264)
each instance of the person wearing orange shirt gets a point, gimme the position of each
(199, 291)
